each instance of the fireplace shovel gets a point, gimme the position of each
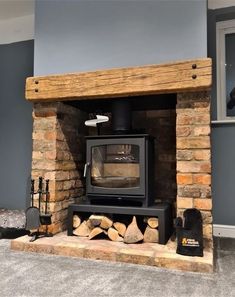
(32, 213)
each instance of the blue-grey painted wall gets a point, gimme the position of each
(223, 138)
(77, 35)
(16, 63)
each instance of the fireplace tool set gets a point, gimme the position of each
(35, 217)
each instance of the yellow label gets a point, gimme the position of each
(190, 242)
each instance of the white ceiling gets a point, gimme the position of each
(214, 4)
(15, 8)
(18, 8)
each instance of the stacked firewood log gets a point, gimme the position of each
(97, 225)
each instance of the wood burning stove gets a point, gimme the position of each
(119, 173)
(119, 169)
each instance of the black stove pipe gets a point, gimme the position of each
(121, 116)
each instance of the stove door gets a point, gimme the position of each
(117, 166)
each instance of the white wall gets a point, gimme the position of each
(17, 29)
(77, 35)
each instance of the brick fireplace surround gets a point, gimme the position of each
(183, 162)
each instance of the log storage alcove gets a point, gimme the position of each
(57, 131)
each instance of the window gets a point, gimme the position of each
(115, 166)
(225, 50)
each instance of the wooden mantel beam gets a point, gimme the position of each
(185, 76)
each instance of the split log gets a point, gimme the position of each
(76, 221)
(82, 230)
(106, 222)
(120, 227)
(113, 235)
(96, 231)
(150, 235)
(133, 233)
(152, 222)
(94, 220)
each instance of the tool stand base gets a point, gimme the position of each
(37, 235)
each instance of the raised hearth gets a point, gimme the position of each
(144, 254)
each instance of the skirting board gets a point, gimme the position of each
(224, 231)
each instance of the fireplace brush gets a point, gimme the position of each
(46, 217)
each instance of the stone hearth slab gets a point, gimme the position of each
(145, 253)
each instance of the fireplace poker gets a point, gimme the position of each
(37, 233)
(46, 217)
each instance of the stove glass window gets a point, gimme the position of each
(115, 166)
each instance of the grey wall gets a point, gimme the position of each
(77, 35)
(223, 174)
(223, 138)
(16, 62)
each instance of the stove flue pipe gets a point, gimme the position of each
(121, 116)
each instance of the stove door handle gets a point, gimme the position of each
(85, 169)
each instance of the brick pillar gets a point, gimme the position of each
(193, 150)
(57, 156)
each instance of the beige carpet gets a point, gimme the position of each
(34, 275)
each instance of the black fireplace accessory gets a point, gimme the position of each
(35, 216)
(189, 235)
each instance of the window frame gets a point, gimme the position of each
(222, 28)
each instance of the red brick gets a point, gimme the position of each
(43, 165)
(184, 202)
(37, 155)
(193, 142)
(203, 179)
(50, 175)
(184, 119)
(202, 130)
(44, 124)
(63, 175)
(193, 167)
(206, 216)
(195, 191)
(60, 136)
(203, 118)
(69, 185)
(38, 135)
(184, 179)
(203, 204)
(202, 155)
(184, 155)
(66, 165)
(43, 145)
(50, 135)
(60, 215)
(188, 191)
(56, 227)
(59, 196)
(51, 155)
(183, 131)
(44, 113)
(207, 231)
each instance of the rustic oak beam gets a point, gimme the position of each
(186, 76)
